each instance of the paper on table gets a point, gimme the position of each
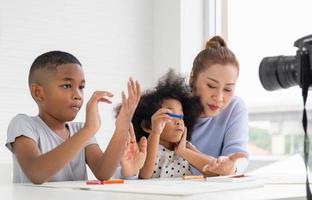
(171, 187)
(231, 178)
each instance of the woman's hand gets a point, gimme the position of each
(224, 165)
(134, 155)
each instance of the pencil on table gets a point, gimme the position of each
(110, 181)
(113, 181)
(200, 177)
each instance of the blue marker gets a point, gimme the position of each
(175, 115)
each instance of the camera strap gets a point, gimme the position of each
(305, 88)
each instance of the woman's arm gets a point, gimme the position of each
(194, 157)
(198, 160)
(224, 165)
(236, 136)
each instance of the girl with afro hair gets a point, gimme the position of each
(165, 116)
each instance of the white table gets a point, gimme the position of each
(272, 176)
(270, 191)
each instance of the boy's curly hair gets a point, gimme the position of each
(170, 86)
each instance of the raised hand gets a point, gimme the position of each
(93, 120)
(224, 165)
(159, 120)
(128, 104)
(134, 155)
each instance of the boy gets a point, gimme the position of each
(49, 147)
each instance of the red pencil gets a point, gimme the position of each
(93, 182)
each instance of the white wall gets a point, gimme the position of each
(166, 36)
(192, 32)
(113, 39)
(178, 34)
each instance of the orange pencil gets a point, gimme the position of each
(111, 181)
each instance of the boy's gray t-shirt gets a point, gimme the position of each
(36, 129)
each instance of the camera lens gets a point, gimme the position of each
(278, 72)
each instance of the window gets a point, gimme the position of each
(271, 29)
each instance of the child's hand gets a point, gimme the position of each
(181, 146)
(159, 120)
(128, 105)
(93, 121)
(224, 165)
(134, 155)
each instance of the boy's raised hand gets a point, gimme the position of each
(93, 120)
(104, 164)
(128, 104)
(134, 155)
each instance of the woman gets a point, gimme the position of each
(222, 130)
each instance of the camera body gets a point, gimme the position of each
(286, 71)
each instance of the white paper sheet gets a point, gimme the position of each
(174, 187)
